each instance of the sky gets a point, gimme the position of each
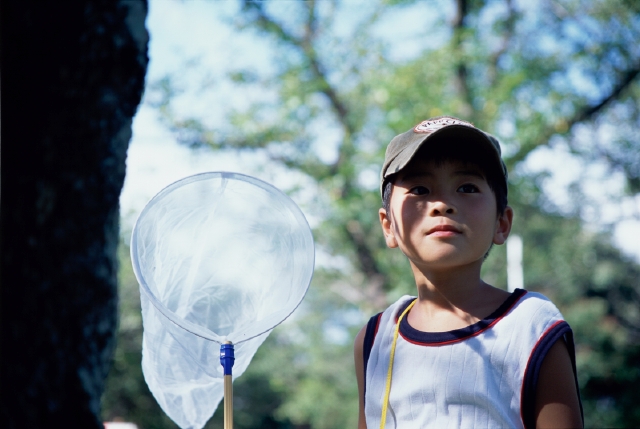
(200, 33)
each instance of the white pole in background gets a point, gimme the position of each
(515, 276)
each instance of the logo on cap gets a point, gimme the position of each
(431, 125)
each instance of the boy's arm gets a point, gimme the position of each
(359, 361)
(557, 403)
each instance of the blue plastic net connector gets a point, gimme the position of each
(227, 357)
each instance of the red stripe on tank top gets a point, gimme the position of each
(473, 334)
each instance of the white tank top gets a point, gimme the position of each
(481, 376)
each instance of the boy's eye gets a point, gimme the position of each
(468, 188)
(419, 190)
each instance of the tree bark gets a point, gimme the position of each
(72, 78)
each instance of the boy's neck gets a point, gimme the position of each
(452, 299)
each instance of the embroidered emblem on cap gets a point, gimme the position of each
(432, 125)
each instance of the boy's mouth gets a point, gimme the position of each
(444, 230)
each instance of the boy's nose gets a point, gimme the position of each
(439, 208)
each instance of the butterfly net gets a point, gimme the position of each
(219, 257)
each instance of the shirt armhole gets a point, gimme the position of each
(559, 330)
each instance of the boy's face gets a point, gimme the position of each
(443, 216)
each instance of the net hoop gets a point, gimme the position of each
(224, 176)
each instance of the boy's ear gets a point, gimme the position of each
(387, 229)
(503, 226)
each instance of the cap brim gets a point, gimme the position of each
(405, 156)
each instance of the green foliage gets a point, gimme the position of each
(560, 73)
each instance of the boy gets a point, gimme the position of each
(465, 353)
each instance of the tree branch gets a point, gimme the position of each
(586, 113)
(461, 74)
(504, 45)
(267, 24)
(343, 164)
(305, 46)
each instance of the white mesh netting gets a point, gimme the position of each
(219, 256)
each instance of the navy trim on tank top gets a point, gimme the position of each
(369, 337)
(530, 382)
(440, 338)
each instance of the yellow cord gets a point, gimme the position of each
(390, 370)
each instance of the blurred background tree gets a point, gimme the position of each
(550, 79)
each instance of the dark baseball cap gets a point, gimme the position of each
(403, 147)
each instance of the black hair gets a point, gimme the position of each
(445, 149)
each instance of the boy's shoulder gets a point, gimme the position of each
(534, 299)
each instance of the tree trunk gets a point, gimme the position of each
(72, 78)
